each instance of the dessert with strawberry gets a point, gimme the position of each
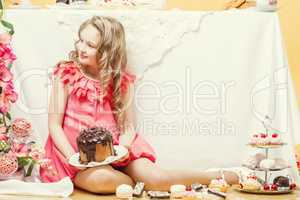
(264, 139)
(251, 183)
(219, 184)
(275, 139)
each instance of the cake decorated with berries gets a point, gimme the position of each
(94, 144)
(264, 139)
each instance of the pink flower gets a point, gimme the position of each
(8, 164)
(36, 155)
(37, 152)
(5, 74)
(45, 163)
(5, 38)
(21, 150)
(6, 54)
(21, 127)
(7, 96)
(3, 137)
(3, 130)
(4, 108)
(10, 93)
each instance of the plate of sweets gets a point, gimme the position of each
(280, 185)
(259, 162)
(264, 140)
(95, 146)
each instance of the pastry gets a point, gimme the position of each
(219, 185)
(251, 183)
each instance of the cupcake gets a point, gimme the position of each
(219, 185)
(21, 127)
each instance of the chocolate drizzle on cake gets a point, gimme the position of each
(281, 181)
(89, 138)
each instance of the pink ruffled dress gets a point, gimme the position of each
(85, 109)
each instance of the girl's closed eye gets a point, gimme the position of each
(92, 45)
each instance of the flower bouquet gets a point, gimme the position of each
(18, 152)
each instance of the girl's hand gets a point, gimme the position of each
(126, 139)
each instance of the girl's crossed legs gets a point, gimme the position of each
(106, 179)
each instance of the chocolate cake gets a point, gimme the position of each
(281, 181)
(94, 144)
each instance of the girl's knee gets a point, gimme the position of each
(101, 181)
(103, 185)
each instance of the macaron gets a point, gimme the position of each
(124, 191)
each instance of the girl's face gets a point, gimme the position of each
(87, 46)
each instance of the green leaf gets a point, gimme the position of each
(9, 66)
(29, 170)
(23, 161)
(8, 26)
(8, 116)
(1, 9)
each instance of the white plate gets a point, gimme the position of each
(121, 151)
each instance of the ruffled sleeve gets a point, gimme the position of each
(126, 79)
(67, 72)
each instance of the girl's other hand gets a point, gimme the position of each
(126, 139)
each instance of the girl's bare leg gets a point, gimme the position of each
(102, 180)
(156, 178)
